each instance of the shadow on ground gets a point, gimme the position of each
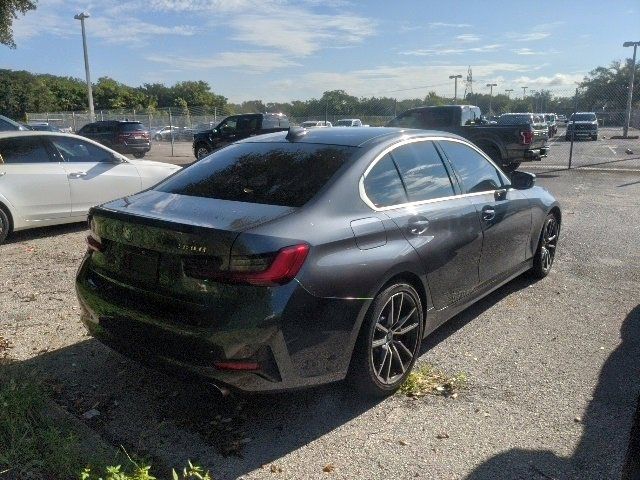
(605, 450)
(45, 232)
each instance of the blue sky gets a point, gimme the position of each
(284, 50)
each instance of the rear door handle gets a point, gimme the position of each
(77, 174)
(488, 214)
(418, 226)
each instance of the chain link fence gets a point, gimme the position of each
(569, 148)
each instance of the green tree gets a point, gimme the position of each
(9, 11)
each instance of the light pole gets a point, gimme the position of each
(491, 85)
(509, 90)
(627, 115)
(524, 92)
(81, 17)
(455, 86)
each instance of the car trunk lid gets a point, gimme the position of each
(147, 238)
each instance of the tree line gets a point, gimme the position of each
(604, 89)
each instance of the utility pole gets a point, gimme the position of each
(455, 86)
(524, 92)
(627, 115)
(491, 85)
(82, 16)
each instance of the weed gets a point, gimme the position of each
(427, 379)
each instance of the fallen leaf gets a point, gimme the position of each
(329, 468)
(442, 436)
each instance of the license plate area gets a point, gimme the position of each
(139, 264)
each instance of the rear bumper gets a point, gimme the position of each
(297, 339)
(133, 147)
(536, 154)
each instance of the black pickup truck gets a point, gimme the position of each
(237, 127)
(507, 144)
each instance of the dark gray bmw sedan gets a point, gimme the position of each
(304, 257)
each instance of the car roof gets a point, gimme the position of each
(350, 137)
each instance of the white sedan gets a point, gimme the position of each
(51, 178)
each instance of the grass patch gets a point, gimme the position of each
(428, 380)
(34, 446)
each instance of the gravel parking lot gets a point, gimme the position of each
(553, 369)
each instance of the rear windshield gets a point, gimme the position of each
(513, 119)
(583, 117)
(284, 174)
(131, 127)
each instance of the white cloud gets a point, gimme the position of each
(556, 80)
(300, 32)
(439, 50)
(529, 51)
(253, 62)
(449, 25)
(409, 81)
(528, 37)
(468, 38)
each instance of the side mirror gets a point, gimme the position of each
(522, 180)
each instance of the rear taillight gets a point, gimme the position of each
(237, 365)
(94, 244)
(121, 138)
(259, 270)
(526, 137)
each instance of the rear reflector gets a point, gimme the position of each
(237, 365)
(94, 244)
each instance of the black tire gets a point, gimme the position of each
(383, 339)
(158, 138)
(547, 244)
(595, 137)
(5, 225)
(202, 151)
(139, 154)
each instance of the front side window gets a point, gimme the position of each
(383, 185)
(229, 125)
(476, 172)
(422, 171)
(23, 150)
(76, 150)
(286, 174)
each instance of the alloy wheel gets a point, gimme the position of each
(549, 242)
(395, 338)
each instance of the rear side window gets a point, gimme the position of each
(269, 173)
(422, 171)
(131, 127)
(383, 185)
(476, 172)
(23, 150)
